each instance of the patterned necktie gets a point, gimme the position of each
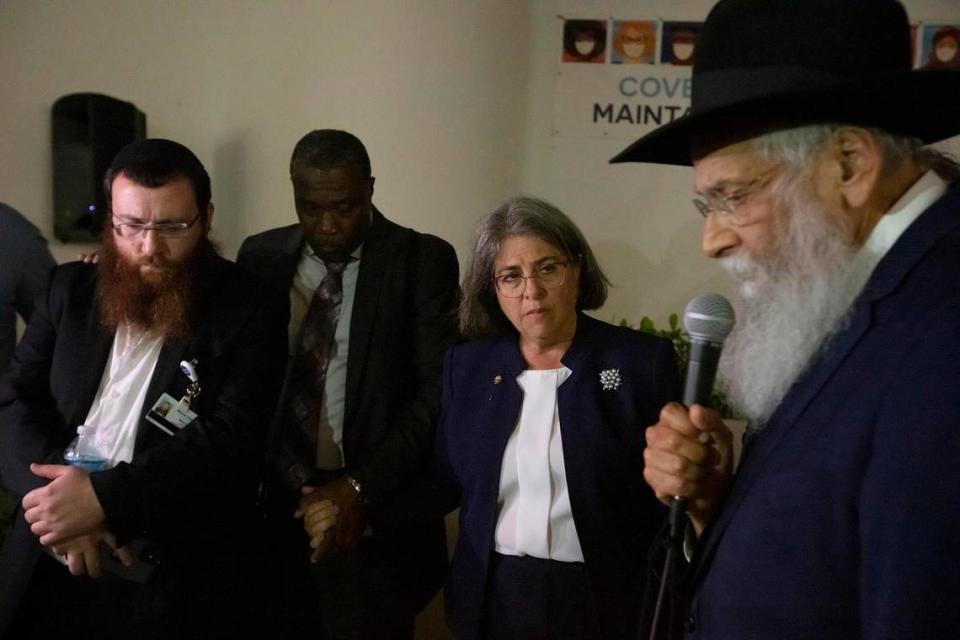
(302, 429)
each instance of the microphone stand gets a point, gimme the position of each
(708, 320)
(675, 534)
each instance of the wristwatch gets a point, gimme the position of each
(356, 487)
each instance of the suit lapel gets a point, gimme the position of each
(164, 375)
(281, 275)
(782, 421)
(580, 419)
(94, 352)
(366, 298)
(573, 401)
(502, 410)
(909, 249)
(285, 268)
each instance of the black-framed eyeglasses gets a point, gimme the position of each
(163, 229)
(548, 275)
(731, 207)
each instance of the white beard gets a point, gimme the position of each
(791, 303)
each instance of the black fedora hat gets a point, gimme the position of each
(767, 64)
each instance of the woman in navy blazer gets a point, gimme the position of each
(541, 442)
(554, 536)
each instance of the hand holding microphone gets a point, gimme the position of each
(688, 459)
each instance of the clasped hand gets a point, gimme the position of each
(66, 507)
(82, 554)
(67, 517)
(333, 517)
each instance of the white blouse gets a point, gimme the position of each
(534, 516)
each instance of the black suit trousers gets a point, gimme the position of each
(347, 596)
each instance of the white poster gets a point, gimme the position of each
(622, 78)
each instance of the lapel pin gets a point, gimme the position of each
(610, 379)
(497, 379)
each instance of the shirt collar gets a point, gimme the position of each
(309, 253)
(918, 198)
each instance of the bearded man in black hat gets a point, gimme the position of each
(842, 231)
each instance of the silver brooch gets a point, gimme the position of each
(610, 379)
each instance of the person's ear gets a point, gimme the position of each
(208, 219)
(858, 160)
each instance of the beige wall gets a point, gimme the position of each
(454, 99)
(436, 89)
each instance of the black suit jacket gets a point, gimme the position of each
(402, 323)
(190, 493)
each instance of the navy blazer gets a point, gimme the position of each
(844, 517)
(615, 513)
(193, 494)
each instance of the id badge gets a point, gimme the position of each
(170, 415)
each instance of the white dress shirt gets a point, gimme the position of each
(310, 273)
(918, 198)
(115, 412)
(534, 517)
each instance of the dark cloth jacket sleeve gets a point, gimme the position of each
(406, 446)
(25, 265)
(32, 430)
(199, 478)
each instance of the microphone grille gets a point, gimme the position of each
(709, 317)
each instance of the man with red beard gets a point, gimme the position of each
(842, 231)
(152, 545)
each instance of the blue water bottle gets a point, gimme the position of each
(82, 451)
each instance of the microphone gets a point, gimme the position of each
(708, 320)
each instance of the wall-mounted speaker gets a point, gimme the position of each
(88, 130)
